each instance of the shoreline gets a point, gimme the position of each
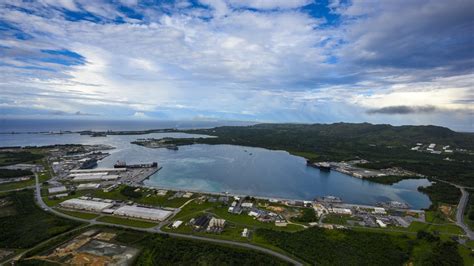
(268, 198)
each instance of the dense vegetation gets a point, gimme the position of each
(130, 192)
(165, 250)
(383, 145)
(24, 224)
(160, 250)
(440, 192)
(347, 247)
(391, 179)
(470, 210)
(11, 173)
(308, 215)
(9, 158)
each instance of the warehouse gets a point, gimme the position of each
(88, 186)
(98, 170)
(87, 205)
(88, 178)
(143, 213)
(54, 190)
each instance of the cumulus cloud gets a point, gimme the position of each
(257, 60)
(402, 109)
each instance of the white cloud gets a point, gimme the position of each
(270, 4)
(269, 62)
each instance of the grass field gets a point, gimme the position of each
(28, 224)
(44, 176)
(338, 219)
(153, 199)
(125, 221)
(82, 215)
(445, 228)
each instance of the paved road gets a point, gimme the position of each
(158, 230)
(460, 213)
(461, 208)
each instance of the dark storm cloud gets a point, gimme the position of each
(412, 35)
(402, 109)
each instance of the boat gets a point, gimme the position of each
(89, 164)
(323, 166)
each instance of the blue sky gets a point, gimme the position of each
(397, 62)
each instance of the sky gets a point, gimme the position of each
(309, 61)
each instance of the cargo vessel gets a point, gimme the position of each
(122, 164)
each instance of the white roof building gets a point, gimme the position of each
(54, 190)
(379, 210)
(88, 205)
(247, 205)
(214, 222)
(176, 224)
(88, 186)
(380, 223)
(143, 213)
(341, 211)
(253, 214)
(88, 178)
(245, 233)
(98, 170)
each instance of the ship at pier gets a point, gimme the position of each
(123, 164)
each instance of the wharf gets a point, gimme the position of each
(146, 175)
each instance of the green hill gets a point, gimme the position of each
(383, 145)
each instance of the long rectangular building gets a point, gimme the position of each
(96, 170)
(143, 213)
(88, 178)
(87, 205)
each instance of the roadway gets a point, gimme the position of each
(158, 230)
(461, 208)
(460, 213)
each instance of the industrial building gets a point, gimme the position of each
(247, 205)
(88, 186)
(98, 170)
(341, 211)
(143, 213)
(88, 178)
(245, 233)
(54, 190)
(216, 225)
(200, 222)
(87, 205)
(176, 224)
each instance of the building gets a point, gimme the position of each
(378, 210)
(162, 192)
(245, 233)
(87, 205)
(431, 146)
(235, 210)
(143, 213)
(247, 205)
(341, 211)
(88, 186)
(216, 224)
(93, 177)
(201, 222)
(187, 195)
(254, 213)
(176, 224)
(54, 190)
(98, 170)
(380, 223)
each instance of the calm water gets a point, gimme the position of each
(236, 169)
(29, 125)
